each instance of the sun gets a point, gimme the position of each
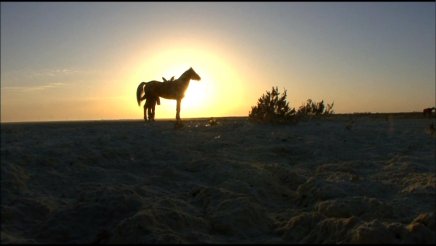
(198, 96)
(220, 91)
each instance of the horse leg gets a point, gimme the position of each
(153, 109)
(150, 114)
(145, 111)
(178, 109)
(179, 123)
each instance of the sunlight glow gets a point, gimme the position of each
(218, 93)
(89, 63)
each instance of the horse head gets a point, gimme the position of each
(193, 75)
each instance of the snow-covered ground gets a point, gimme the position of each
(343, 179)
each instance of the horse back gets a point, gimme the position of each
(168, 90)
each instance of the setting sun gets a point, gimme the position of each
(218, 93)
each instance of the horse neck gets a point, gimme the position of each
(184, 79)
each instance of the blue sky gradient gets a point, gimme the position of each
(364, 56)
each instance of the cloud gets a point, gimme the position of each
(52, 73)
(31, 80)
(32, 88)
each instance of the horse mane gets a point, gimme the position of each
(186, 74)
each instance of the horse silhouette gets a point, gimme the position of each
(172, 89)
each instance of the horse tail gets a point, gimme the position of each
(139, 92)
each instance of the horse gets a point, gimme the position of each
(170, 90)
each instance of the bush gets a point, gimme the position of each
(273, 107)
(312, 109)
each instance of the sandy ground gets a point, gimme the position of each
(344, 179)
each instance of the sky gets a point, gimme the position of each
(64, 61)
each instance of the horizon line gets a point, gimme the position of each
(190, 118)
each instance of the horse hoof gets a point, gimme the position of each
(178, 125)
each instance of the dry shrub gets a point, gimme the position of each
(273, 107)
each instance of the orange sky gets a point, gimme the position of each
(83, 61)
